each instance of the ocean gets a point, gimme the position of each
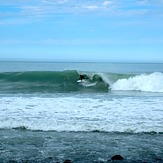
(47, 116)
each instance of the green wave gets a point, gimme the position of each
(56, 81)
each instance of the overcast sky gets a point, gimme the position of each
(82, 30)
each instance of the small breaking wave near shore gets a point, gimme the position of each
(66, 81)
(85, 114)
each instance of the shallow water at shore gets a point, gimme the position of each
(37, 146)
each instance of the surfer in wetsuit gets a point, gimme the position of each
(82, 77)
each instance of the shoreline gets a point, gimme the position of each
(49, 146)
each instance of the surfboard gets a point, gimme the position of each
(81, 81)
(86, 83)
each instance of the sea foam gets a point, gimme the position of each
(87, 114)
(144, 82)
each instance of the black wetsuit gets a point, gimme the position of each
(82, 77)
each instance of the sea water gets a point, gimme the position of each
(46, 116)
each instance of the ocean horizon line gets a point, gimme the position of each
(80, 61)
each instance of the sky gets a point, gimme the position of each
(82, 30)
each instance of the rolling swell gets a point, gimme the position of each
(66, 81)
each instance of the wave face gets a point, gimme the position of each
(66, 81)
(39, 81)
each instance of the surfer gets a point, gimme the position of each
(82, 77)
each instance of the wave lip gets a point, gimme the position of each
(143, 82)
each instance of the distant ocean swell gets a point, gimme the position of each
(66, 81)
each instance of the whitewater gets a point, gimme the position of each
(82, 113)
(47, 116)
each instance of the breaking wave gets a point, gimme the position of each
(66, 81)
(143, 82)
